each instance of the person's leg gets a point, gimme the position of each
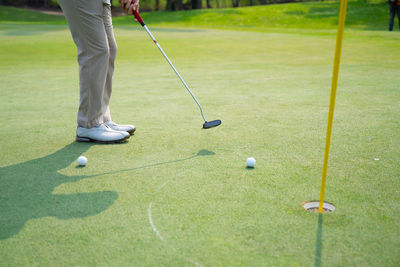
(392, 10)
(85, 20)
(107, 20)
(398, 15)
(108, 87)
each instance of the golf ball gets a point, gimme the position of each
(250, 162)
(82, 160)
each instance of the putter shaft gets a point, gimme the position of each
(137, 16)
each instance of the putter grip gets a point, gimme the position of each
(138, 17)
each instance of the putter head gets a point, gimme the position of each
(210, 124)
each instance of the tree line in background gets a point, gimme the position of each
(158, 5)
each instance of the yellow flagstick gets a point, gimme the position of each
(335, 75)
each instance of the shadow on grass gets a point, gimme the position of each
(202, 152)
(318, 243)
(26, 191)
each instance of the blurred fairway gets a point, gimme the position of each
(177, 195)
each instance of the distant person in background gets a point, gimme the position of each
(394, 7)
(91, 28)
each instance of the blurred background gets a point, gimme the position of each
(163, 5)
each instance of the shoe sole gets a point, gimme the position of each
(88, 140)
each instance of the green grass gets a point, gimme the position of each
(271, 90)
(18, 15)
(311, 15)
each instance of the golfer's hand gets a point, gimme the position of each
(129, 6)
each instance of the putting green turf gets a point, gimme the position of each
(179, 195)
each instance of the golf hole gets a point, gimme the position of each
(313, 205)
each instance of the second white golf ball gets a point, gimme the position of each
(82, 160)
(250, 162)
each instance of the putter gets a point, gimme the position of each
(207, 124)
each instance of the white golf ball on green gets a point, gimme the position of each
(82, 160)
(250, 162)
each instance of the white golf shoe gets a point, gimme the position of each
(119, 127)
(100, 134)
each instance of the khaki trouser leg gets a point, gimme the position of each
(113, 53)
(91, 29)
